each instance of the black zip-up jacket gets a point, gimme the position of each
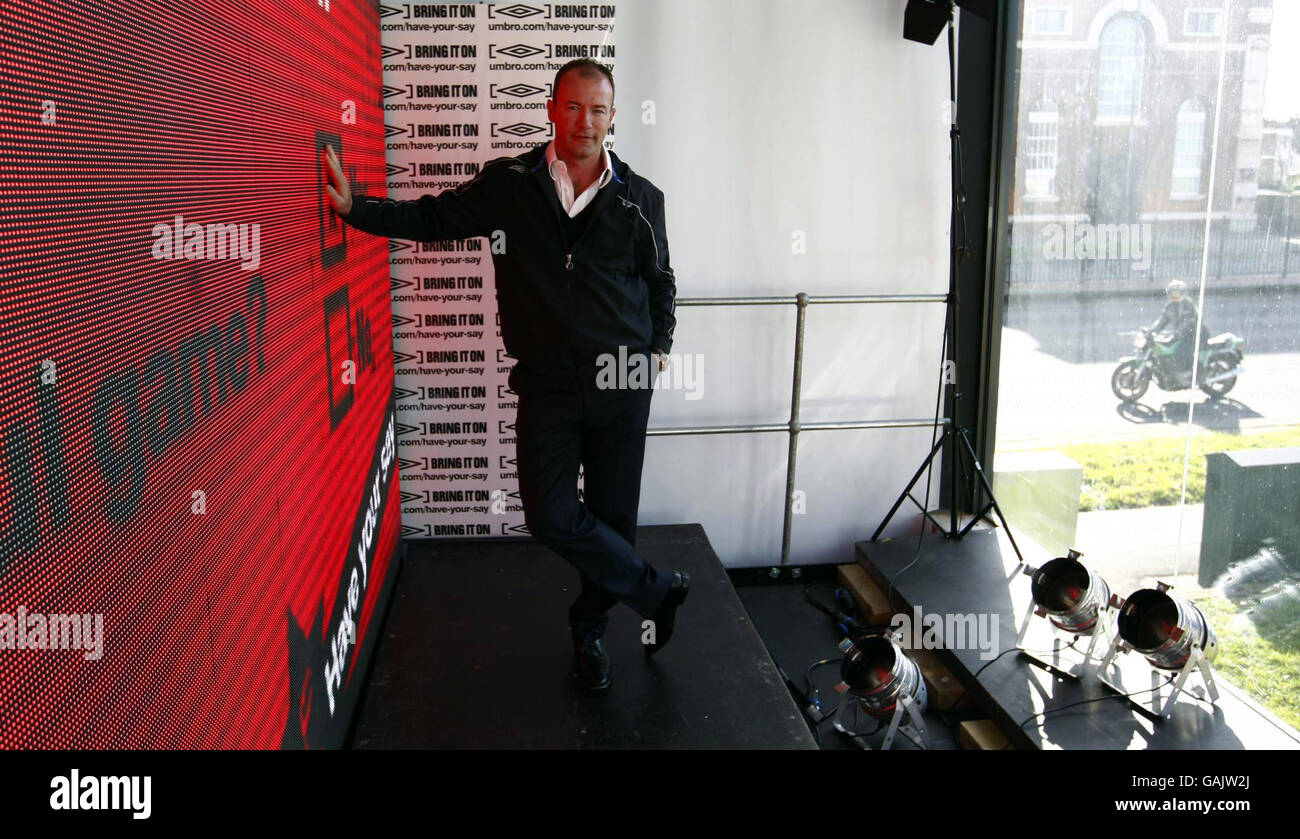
(1179, 317)
(561, 304)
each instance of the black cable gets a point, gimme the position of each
(976, 674)
(1068, 646)
(808, 703)
(955, 735)
(879, 725)
(845, 618)
(807, 593)
(816, 729)
(990, 662)
(829, 715)
(851, 734)
(814, 695)
(1047, 711)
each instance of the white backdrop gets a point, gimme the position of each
(768, 124)
(773, 117)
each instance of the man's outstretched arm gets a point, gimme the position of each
(458, 213)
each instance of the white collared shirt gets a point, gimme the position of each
(564, 185)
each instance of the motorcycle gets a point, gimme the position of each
(1155, 358)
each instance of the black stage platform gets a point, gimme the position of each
(476, 654)
(979, 575)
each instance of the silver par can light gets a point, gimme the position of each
(879, 678)
(1165, 629)
(1172, 634)
(1071, 595)
(880, 675)
(1074, 600)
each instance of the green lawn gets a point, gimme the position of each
(1149, 472)
(1260, 654)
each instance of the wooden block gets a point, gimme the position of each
(870, 599)
(943, 688)
(981, 736)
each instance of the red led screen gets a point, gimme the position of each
(197, 453)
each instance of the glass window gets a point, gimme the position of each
(1040, 150)
(1189, 147)
(1157, 429)
(1119, 89)
(1202, 22)
(1051, 20)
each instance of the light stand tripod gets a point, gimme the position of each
(962, 451)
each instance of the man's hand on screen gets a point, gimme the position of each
(337, 189)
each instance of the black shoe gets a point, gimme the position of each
(666, 614)
(595, 670)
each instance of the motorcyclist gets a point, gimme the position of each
(1179, 317)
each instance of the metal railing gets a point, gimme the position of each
(801, 301)
(1173, 251)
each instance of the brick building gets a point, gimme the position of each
(1117, 107)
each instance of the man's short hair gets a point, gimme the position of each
(586, 67)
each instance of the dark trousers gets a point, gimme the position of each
(604, 431)
(1183, 355)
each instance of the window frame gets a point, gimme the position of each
(1066, 29)
(1218, 17)
(1134, 101)
(1038, 114)
(1186, 172)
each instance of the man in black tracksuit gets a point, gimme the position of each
(582, 269)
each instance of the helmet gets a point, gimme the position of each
(1176, 286)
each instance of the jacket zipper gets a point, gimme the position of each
(559, 225)
(590, 222)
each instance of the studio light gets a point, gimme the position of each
(1165, 629)
(923, 20)
(1171, 634)
(1071, 595)
(878, 677)
(1074, 600)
